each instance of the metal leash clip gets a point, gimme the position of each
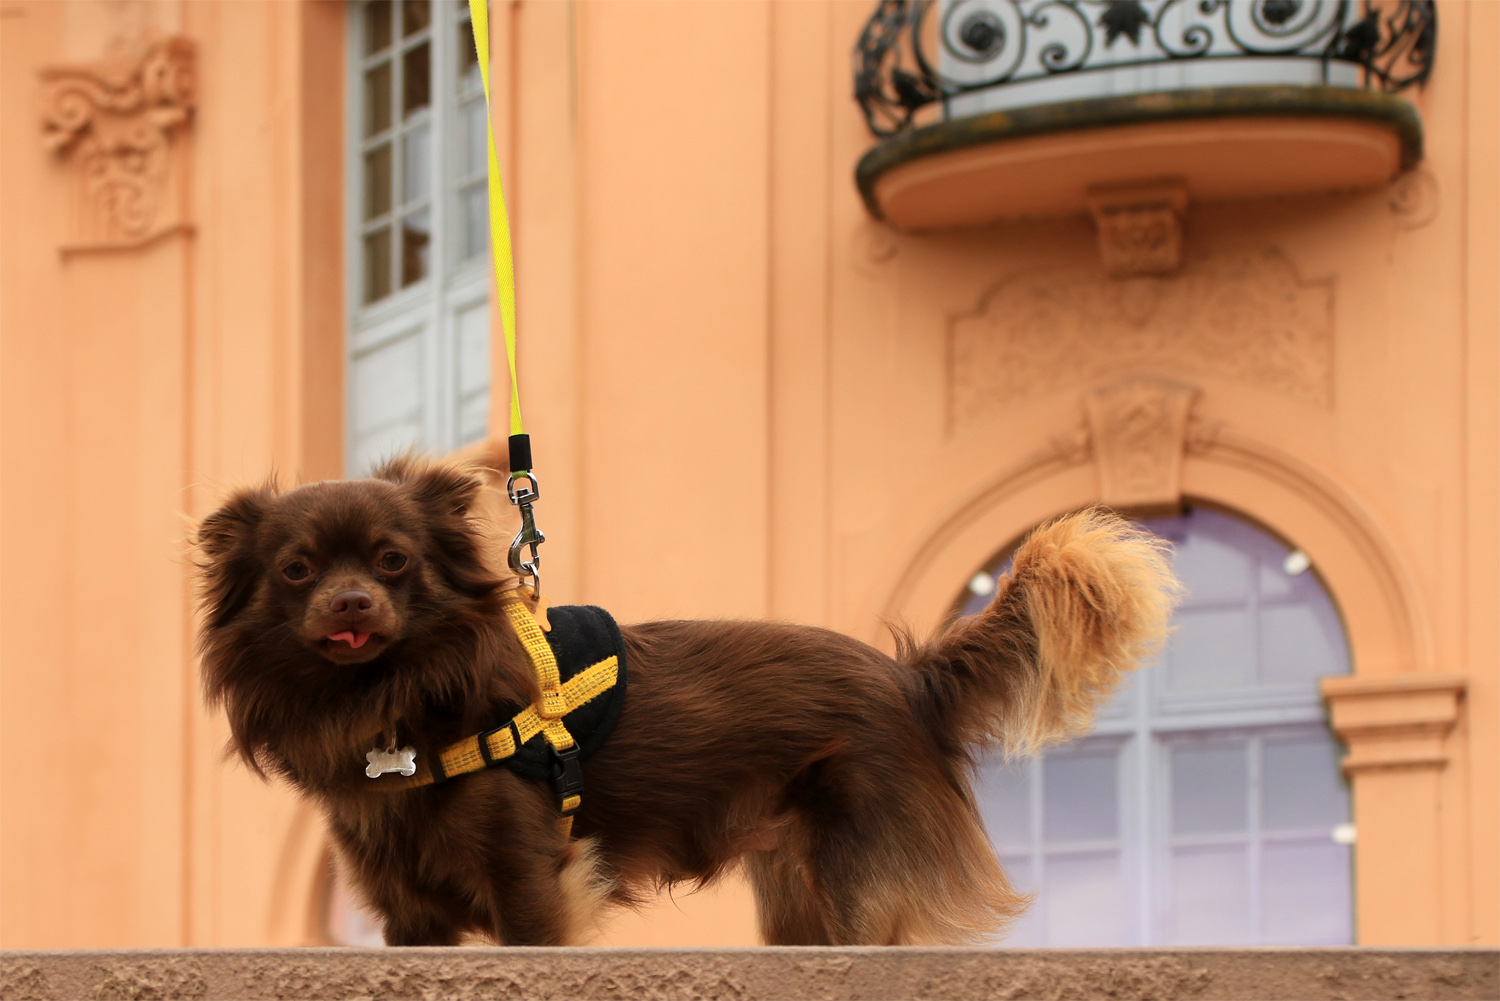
(529, 535)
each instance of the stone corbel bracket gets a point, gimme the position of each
(1140, 227)
(1400, 721)
(114, 122)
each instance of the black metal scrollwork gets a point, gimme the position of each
(904, 61)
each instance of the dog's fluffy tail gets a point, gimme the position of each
(1088, 598)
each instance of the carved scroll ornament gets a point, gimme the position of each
(115, 122)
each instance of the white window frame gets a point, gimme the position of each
(431, 308)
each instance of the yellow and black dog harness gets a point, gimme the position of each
(579, 662)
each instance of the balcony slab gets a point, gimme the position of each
(1221, 144)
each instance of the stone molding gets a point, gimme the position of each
(1139, 428)
(1399, 721)
(115, 123)
(778, 972)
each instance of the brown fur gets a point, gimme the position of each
(837, 774)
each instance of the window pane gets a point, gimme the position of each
(1210, 786)
(1212, 650)
(416, 85)
(473, 375)
(377, 26)
(1212, 569)
(416, 164)
(377, 99)
(1305, 894)
(378, 181)
(1004, 792)
(469, 80)
(1301, 787)
(1210, 897)
(1299, 644)
(475, 139)
(415, 16)
(378, 265)
(416, 235)
(386, 389)
(476, 220)
(1079, 795)
(1275, 582)
(1027, 930)
(1085, 900)
(387, 384)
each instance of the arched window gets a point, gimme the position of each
(1207, 808)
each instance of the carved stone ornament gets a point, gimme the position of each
(1139, 428)
(1245, 316)
(1140, 228)
(115, 122)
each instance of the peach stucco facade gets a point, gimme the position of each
(748, 398)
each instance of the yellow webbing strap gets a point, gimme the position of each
(544, 718)
(505, 274)
(531, 637)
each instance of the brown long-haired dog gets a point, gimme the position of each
(836, 773)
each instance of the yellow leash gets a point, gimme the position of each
(522, 486)
(505, 272)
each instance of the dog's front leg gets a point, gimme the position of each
(547, 897)
(419, 928)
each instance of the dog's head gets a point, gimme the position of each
(333, 589)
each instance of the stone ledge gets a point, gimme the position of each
(789, 973)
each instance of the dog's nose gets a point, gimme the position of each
(351, 601)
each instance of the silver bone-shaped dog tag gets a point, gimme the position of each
(403, 761)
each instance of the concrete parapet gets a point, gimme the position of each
(789, 973)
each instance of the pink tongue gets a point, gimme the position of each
(356, 640)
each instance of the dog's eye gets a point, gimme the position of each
(391, 562)
(295, 570)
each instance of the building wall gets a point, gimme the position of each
(747, 398)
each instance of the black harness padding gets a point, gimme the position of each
(581, 636)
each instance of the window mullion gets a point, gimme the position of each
(437, 210)
(398, 156)
(1254, 838)
(1038, 851)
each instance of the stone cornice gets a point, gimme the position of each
(1397, 721)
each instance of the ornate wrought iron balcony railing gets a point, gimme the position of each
(978, 56)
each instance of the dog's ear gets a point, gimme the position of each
(445, 493)
(228, 568)
(443, 490)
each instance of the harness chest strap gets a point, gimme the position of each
(558, 699)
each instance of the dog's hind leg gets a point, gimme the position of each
(897, 855)
(787, 905)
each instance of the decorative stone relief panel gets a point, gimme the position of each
(1244, 315)
(115, 122)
